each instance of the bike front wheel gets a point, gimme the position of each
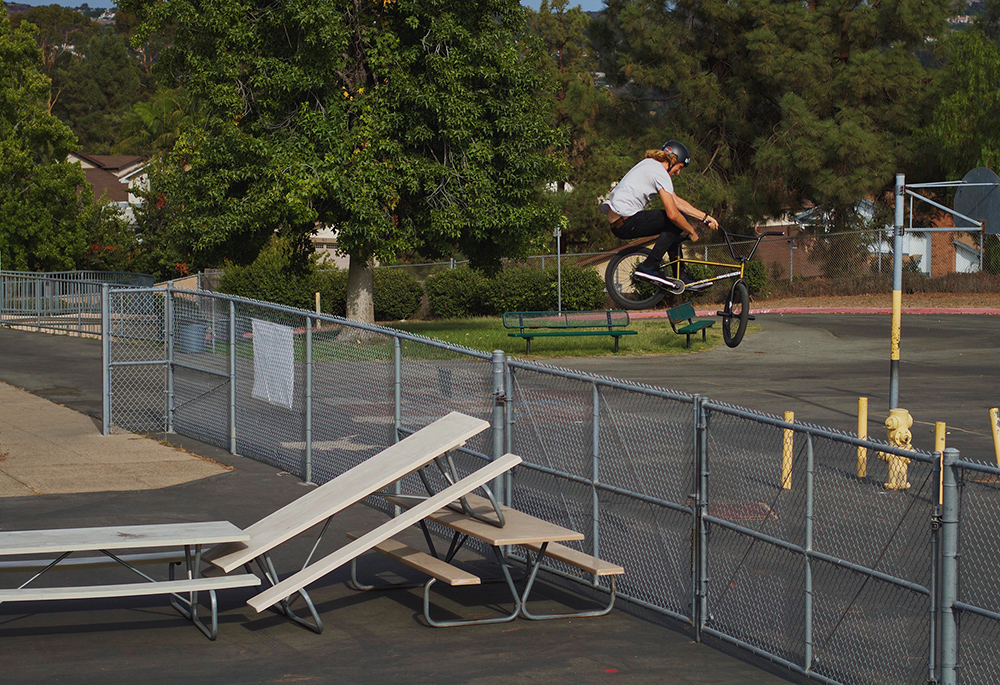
(736, 314)
(627, 291)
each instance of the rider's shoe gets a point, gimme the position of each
(674, 285)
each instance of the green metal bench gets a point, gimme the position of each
(685, 312)
(554, 324)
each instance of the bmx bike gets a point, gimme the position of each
(632, 293)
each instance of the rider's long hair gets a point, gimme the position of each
(662, 156)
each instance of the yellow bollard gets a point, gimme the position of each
(863, 434)
(898, 425)
(940, 430)
(318, 310)
(995, 425)
(787, 453)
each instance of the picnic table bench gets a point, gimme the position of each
(685, 312)
(531, 325)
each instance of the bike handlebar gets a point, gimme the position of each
(729, 242)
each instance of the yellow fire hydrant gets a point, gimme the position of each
(898, 425)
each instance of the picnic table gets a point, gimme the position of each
(186, 539)
(518, 528)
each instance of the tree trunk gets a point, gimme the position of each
(360, 289)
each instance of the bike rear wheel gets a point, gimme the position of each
(736, 314)
(629, 292)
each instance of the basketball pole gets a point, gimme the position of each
(897, 293)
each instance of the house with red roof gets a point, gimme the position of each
(115, 178)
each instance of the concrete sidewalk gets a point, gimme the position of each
(375, 636)
(46, 449)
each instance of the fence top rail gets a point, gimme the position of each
(818, 431)
(981, 468)
(603, 381)
(310, 315)
(93, 278)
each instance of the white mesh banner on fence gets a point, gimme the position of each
(273, 363)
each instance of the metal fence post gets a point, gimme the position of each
(791, 261)
(105, 359)
(949, 569)
(808, 609)
(308, 401)
(498, 414)
(596, 474)
(397, 357)
(232, 377)
(168, 339)
(934, 635)
(508, 410)
(699, 556)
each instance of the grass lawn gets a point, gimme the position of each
(487, 334)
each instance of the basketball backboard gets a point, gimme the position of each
(979, 198)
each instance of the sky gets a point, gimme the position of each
(586, 5)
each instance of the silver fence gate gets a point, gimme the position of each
(749, 529)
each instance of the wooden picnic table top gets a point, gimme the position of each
(119, 537)
(518, 529)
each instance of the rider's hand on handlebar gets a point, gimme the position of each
(711, 221)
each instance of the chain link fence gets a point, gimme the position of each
(780, 538)
(806, 263)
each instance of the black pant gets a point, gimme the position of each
(652, 222)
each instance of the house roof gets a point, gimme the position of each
(106, 182)
(109, 175)
(119, 165)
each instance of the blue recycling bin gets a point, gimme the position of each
(191, 338)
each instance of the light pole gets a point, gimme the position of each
(557, 232)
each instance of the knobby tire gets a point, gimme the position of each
(736, 314)
(627, 292)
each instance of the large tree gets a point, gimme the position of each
(597, 127)
(96, 90)
(783, 103)
(61, 30)
(409, 125)
(44, 221)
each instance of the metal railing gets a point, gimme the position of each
(769, 535)
(65, 301)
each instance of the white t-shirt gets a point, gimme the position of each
(637, 188)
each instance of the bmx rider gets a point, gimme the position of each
(625, 209)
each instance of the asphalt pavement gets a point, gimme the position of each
(368, 636)
(818, 365)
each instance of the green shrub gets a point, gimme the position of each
(756, 277)
(582, 289)
(397, 294)
(274, 276)
(699, 272)
(456, 293)
(517, 289)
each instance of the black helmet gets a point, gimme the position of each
(683, 156)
